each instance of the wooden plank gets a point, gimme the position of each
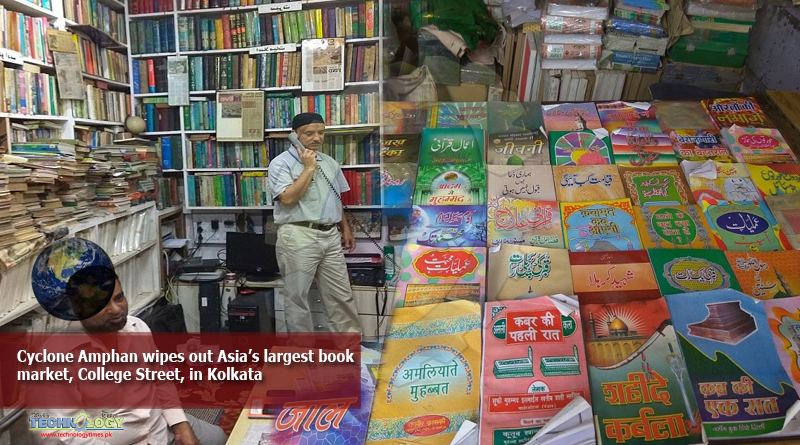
(784, 123)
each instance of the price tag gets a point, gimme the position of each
(10, 56)
(277, 8)
(269, 49)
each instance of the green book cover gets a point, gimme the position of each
(451, 185)
(680, 271)
(641, 393)
(451, 146)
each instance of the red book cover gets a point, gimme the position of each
(151, 75)
(226, 30)
(368, 176)
(327, 108)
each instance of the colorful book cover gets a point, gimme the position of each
(533, 366)
(532, 182)
(691, 270)
(400, 148)
(516, 135)
(587, 183)
(600, 226)
(714, 182)
(584, 147)
(323, 422)
(571, 117)
(637, 148)
(448, 226)
(432, 275)
(699, 145)
(450, 146)
(786, 210)
(633, 115)
(451, 185)
(513, 117)
(720, 333)
(758, 145)
(404, 117)
(527, 147)
(398, 182)
(637, 374)
(775, 179)
(784, 323)
(674, 227)
(521, 221)
(598, 275)
(656, 186)
(745, 227)
(767, 275)
(678, 114)
(429, 381)
(744, 111)
(458, 115)
(516, 270)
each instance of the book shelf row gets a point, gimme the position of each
(243, 71)
(103, 105)
(338, 109)
(101, 62)
(251, 189)
(98, 15)
(25, 34)
(251, 29)
(28, 92)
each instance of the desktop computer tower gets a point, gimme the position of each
(209, 304)
(252, 311)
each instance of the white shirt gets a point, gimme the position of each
(140, 426)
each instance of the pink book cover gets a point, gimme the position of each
(636, 115)
(783, 315)
(571, 117)
(533, 365)
(758, 145)
(431, 275)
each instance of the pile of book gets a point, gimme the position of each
(635, 40)
(721, 33)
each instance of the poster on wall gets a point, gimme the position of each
(68, 67)
(240, 116)
(323, 64)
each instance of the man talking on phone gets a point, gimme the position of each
(307, 186)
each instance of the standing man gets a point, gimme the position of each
(311, 229)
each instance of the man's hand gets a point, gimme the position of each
(349, 240)
(184, 435)
(309, 158)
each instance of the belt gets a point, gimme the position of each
(313, 225)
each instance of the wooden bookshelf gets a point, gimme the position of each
(180, 15)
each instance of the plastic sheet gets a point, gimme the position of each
(570, 51)
(721, 11)
(578, 8)
(637, 28)
(575, 39)
(552, 24)
(575, 64)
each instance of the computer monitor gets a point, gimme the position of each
(251, 254)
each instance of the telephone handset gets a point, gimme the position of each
(295, 140)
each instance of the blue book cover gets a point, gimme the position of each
(741, 388)
(448, 226)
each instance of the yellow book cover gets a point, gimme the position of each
(429, 380)
(318, 18)
(220, 36)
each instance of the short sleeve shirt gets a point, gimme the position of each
(319, 204)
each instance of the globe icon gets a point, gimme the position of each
(80, 265)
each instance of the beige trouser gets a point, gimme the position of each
(304, 254)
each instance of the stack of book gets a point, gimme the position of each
(28, 91)
(635, 41)
(721, 34)
(25, 35)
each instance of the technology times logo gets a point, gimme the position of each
(81, 425)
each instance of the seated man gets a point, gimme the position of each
(141, 426)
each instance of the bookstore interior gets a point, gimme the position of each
(498, 164)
